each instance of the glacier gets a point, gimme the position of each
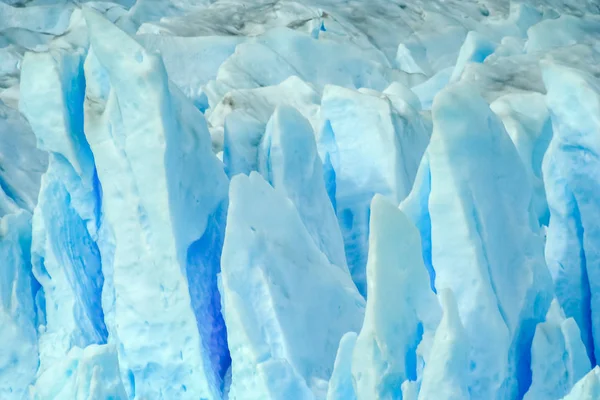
(312, 200)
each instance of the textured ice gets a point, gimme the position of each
(340, 383)
(66, 260)
(588, 388)
(232, 199)
(571, 179)
(500, 286)
(18, 335)
(289, 161)
(372, 148)
(90, 373)
(402, 312)
(558, 356)
(169, 329)
(527, 121)
(280, 332)
(22, 163)
(446, 372)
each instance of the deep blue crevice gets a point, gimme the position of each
(585, 283)
(203, 265)
(329, 178)
(411, 355)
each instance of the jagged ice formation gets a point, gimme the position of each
(281, 200)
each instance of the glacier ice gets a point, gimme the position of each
(588, 388)
(527, 121)
(280, 335)
(65, 258)
(500, 286)
(340, 384)
(571, 180)
(325, 199)
(446, 374)
(22, 163)
(18, 314)
(558, 356)
(401, 313)
(373, 148)
(89, 373)
(144, 192)
(289, 161)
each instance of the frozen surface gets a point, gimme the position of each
(372, 147)
(446, 372)
(167, 353)
(587, 388)
(558, 356)
(289, 161)
(280, 295)
(317, 199)
(19, 351)
(571, 179)
(402, 311)
(479, 191)
(90, 373)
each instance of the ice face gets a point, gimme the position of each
(372, 148)
(402, 312)
(271, 200)
(144, 190)
(446, 372)
(558, 356)
(289, 161)
(90, 373)
(280, 294)
(571, 182)
(65, 257)
(587, 388)
(507, 281)
(18, 315)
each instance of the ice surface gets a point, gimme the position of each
(558, 356)
(373, 148)
(588, 388)
(479, 191)
(163, 202)
(66, 260)
(446, 372)
(18, 335)
(571, 179)
(289, 161)
(402, 312)
(340, 385)
(22, 163)
(90, 373)
(527, 121)
(280, 295)
(382, 153)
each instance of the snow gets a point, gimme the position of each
(317, 199)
